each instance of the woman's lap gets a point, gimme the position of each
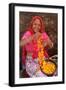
(31, 67)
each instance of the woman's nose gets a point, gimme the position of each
(37, 26)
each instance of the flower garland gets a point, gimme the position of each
(41, 51)
(47, 67)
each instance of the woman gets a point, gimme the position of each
(30, 49)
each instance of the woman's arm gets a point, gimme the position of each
(47, 41)
(27, 37)
(25, 41)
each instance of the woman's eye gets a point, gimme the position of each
(37, 24)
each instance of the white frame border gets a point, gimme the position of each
(44, 79)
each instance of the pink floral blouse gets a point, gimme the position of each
(32, 46)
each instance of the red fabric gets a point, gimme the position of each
(42, 24)
(42, 29)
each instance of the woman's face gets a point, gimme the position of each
(36, 25)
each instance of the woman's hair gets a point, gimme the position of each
(42, 29)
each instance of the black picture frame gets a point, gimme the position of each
(12, 43)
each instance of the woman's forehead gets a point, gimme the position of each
(36, 21)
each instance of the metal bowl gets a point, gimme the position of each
(48, 74)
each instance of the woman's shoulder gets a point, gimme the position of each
(26, 35)
(45, 35)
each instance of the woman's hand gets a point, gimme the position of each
(25, 41)
(29, 39)
(48, 43)
(36, 35)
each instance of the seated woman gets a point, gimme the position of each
(30, 49)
